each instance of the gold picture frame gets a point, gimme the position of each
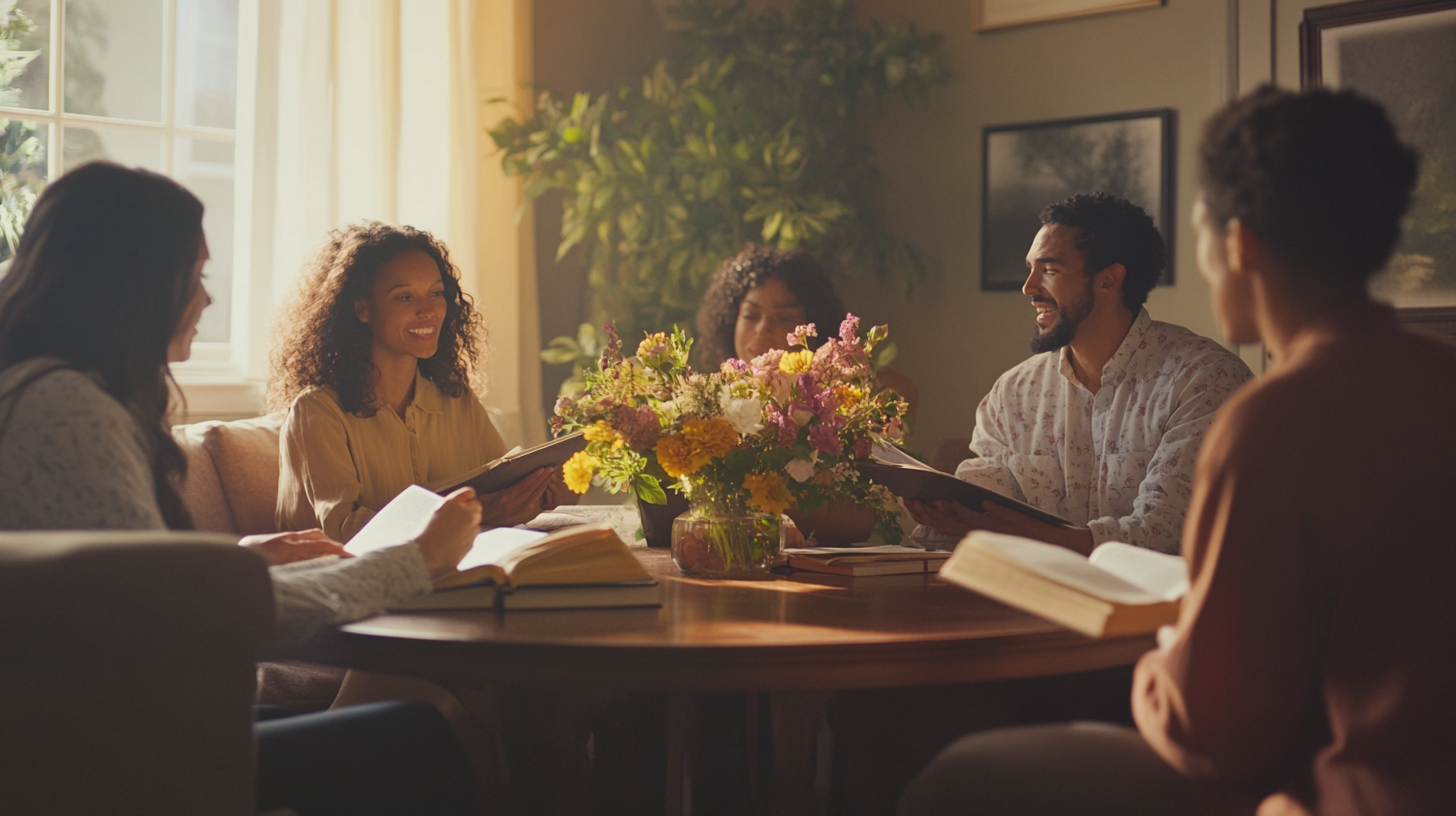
(991, 15)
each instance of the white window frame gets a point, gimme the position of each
(214, 381)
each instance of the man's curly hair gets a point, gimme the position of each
(1114, 230)
(740, 274)
(1320, 176)
(320, 341)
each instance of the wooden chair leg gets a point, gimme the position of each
(795, 718)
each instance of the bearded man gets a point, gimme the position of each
(1102, 425)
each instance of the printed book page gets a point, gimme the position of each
(398, 522)
(1061, 565)
(1161, 574)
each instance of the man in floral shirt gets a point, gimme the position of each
(1101, 426)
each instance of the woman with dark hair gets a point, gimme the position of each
(105, 290)
(755, 300)
(373, 363)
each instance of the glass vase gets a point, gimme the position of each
(725, 539)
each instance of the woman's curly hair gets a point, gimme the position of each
(319, 339)
(741, 274)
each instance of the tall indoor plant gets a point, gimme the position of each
(750, 130)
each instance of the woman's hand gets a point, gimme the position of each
(450, 532)
(285, 548)
(518, 503)
(557, 493)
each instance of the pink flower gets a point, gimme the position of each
(801, 335)
(825, 439)
(849, 330)
(563, 405)
(733, 365)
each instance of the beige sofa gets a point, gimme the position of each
(232, 474)
(232, 487)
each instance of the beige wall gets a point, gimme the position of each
(590, 46)
(954, 339)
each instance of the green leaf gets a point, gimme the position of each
(885, 355)
(572, 134)
(771, 225)
(648, 489)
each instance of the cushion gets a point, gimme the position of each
(202, 490)
(245, 455)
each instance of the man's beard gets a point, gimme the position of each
(1069, 317)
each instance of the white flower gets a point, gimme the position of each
(800, 470)
(743, 413)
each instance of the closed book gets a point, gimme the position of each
(501, 473)
(910, 478)
(863, 561)
(1120, 590)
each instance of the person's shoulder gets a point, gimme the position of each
(1182, 348)
(59, 391)
(1034, 367)
(314, 404)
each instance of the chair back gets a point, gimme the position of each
(126, 672)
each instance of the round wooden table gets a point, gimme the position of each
(799, 637)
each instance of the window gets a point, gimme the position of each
(147, 83)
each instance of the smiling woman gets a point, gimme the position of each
(373, 363)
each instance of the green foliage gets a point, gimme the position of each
(20, 149)
(749, 131)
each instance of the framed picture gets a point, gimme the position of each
(993, 14)
(1026, 167)
(1402, 53)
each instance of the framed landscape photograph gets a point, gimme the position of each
(993, 14)
(1028, 166)
(1402, 53)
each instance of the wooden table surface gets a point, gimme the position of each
(802, 632)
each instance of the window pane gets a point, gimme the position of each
(129, 147)
(22, 176)
(27, 79)
(206, 168)
(113, 54)
(207, 62)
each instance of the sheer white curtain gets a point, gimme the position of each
(375, 109)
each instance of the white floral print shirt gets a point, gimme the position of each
(1119, 461)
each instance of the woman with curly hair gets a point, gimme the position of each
(755, 300)
(373, 362)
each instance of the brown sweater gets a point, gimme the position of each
(1315, 663)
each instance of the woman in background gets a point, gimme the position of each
(105, 291)
(373, 363)
(755, 300)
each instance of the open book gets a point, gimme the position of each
(1119, 590)
(909, 478)
(501, 473)
(514, 568)
(858, 561)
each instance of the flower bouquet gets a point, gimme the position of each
(744, 444)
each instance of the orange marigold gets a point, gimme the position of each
(770, 494)
(698, 443)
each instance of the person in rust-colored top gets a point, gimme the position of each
(1313, 666)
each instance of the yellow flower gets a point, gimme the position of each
(847, 395)
(770, 494)
(579, 470)
(652, 344)
(796, 362)
(700, 442)
(600, 431)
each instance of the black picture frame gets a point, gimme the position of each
(1402, 63)
(1026, 166)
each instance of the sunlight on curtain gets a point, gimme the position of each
(374, 109)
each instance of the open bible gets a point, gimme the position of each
(909, 478)
(501, 473)
(1119, 590)
(511, 568)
